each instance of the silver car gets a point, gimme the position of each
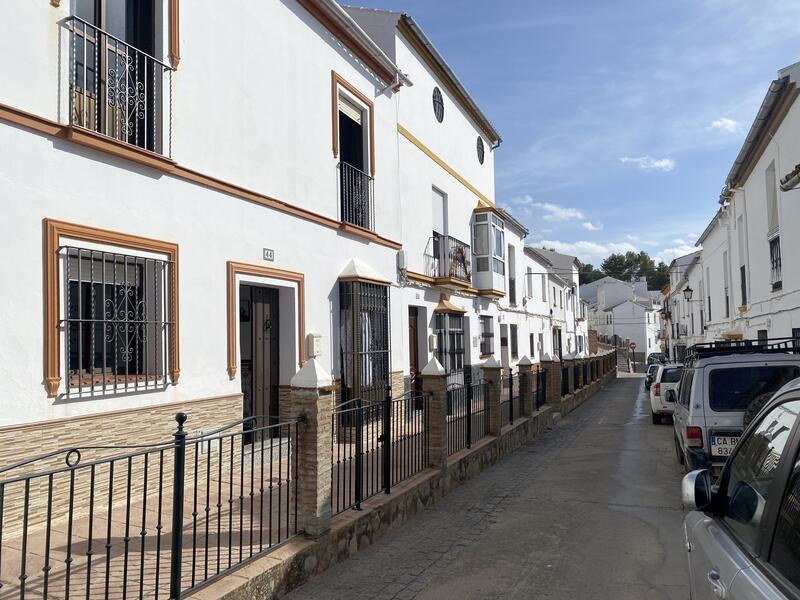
(743, 537)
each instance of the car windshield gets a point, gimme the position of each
(652, 369)
(671, 375)
(735, 388)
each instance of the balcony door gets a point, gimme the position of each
(117, 83)
(354, 181)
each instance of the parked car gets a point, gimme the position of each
(719, 381)
(656, 357)
(743, 537)
(651, 373)
(666, 378)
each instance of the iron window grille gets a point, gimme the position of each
(775, 263)
(118, 90)
(514, 341)
(117, 333)
(743, 281)
(487, 336)
(364, 341)
(450, 341)
(356, 196)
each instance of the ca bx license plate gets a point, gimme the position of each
(723, 445)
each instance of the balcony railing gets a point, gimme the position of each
(355, 194)
(448, 257)
(117, 90)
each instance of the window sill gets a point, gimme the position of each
(102, 143)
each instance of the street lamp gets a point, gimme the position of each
(687, 294)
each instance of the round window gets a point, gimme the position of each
(480, 150)
(438, 104)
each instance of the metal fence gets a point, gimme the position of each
(564, 381)
(467, 417)
(539, 388)
(356, 196)
(147, 521)
(376, 445)
(510, 399)
(118, 90)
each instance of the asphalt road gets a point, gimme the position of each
(589, 510)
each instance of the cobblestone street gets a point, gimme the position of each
(589, 510)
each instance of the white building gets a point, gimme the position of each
(189, 229)
(744, 281)
(620, 310)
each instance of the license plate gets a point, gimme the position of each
(723, 445)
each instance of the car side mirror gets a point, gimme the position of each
(745, 503)
(671, 396)
(696, 490)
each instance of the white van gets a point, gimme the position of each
(666, 378)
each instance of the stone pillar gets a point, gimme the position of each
(491, 374)
(525, 385)
(434, 384)
(311, 397)
(553, 368)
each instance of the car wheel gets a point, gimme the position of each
(656, 418)
(679, 453)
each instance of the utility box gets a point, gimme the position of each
(313, 345)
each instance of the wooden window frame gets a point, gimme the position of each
(54, 230)
(338, 81)
(238, 268)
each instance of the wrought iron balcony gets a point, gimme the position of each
(117, 90)
(355, 196)
(448, 258)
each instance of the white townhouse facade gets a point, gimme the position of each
(682, 316)
(625, 311)
(186, 241)
(745, 278)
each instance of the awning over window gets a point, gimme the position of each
(358, 270)
(445, 306)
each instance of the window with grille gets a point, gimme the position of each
(487, 336)
(450, 341)
(117, 333)
(514, 341)
(775, 263)
(364, 340)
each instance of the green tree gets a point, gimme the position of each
(659, 277)
(615, 266)
(588, 274)
(633, 265)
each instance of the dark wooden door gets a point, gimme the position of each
(258, 320)
(413, 350)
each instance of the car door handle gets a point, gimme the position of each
(716, 585)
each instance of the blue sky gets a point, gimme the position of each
(620, 119)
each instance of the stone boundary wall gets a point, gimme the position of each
(301, 558)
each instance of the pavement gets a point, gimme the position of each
(591, 509)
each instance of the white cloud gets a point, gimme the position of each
(550, 212)
(679, 241)
(586, 251)
(589, 226)
(725, 125)
(631, 238)
(648, 163)
(667, 255)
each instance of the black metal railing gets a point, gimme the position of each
(576, 378)
(356, 196)
(510, 398)
(148, 521)
(564, 381)
(467, 419)
(376, 445)
(446, 256)
(117, 90)
(539, 388)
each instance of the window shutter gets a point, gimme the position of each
(350, 110)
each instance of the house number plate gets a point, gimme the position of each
(269, 254)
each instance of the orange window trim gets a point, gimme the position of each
(53, 232)
(237, 268)
(338, 81)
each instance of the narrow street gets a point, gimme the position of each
(589, 510)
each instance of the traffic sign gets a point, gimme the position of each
(633, 345)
